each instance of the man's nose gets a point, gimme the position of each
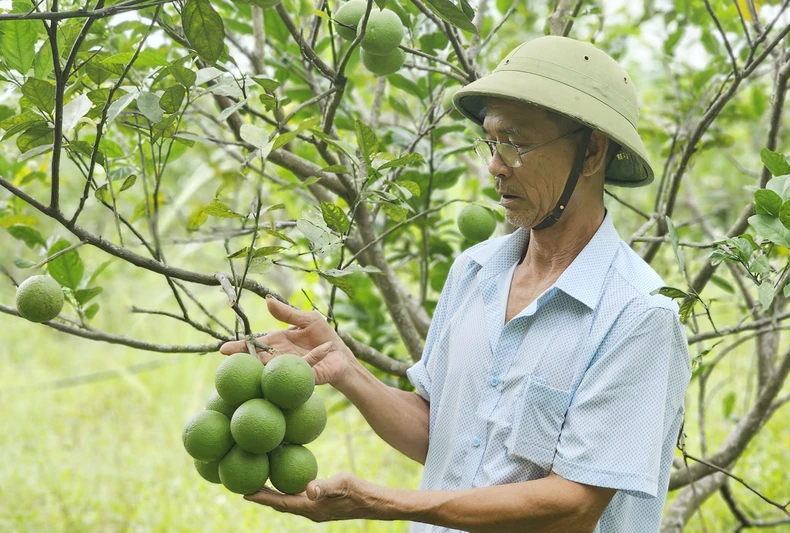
(497, 166)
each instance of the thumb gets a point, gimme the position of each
(318, 353)
(285, 313)
(317, 490)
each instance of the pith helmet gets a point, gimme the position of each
(575, 79)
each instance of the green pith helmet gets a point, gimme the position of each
(575, 79)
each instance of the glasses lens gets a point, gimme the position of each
(483, 150)
(509, 155)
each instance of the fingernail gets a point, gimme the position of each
(330, 345)
(268, 296)
(317, 492)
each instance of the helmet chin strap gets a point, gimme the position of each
(570, 185)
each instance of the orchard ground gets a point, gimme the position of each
(107, 456)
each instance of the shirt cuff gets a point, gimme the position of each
(639, 485)
(419, 377)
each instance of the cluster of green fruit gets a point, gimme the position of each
(383, 34)
(255, 424)
(476, 223)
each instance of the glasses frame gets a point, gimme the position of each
(493, 146)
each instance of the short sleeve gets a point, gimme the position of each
(419, 374)
(620, 415)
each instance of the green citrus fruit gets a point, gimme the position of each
(207, 436)
(476, 223)
(350, 14)
(258, 426)
(208, 470)
(238, 378)
(305, 423)
(216, 403)
(243, 472)
(39, 299)
(291, 468)
(288, 381)
(383, 32)
(383, 65)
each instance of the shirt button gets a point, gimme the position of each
(493, 382)
(476, 442)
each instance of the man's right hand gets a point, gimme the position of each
(310, 336)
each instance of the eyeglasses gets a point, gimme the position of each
(509, 152)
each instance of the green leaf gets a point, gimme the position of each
(334, 217)
(91, 311)
(467, 9)
(101, 192)
(352, 269)
(86, 149)
(451, 14)
(410, 186)
(728, 403)
(23, 263)
(395, 212)
(37, 135)
(446, 179)
(263, 251)
(402, 161)
(341, 283)
(74, 110)
(83, 296)
(142, 208)
(760, 265)
(765, 293)
(279, 235)
(30, 236)
(260, 265)
(283, 139)
(784, 214)
(148, 104)
(183, 75)
(786, 290)
(670, 292)
(218, 209)
(42, 64)
(770, 228)
(41, 93)
(266, 83)
(66, 269)
(775, 162)
(128, 182)
(722, 283)
(687, 308)
(204, 29)
(407, 85)
(767, 202)
(196, 219)
(366, 139)
(18, 44)
(7, 222)
(673, 237)
(170, 102)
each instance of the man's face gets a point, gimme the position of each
(531, 191)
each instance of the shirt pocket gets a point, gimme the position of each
(539, 413)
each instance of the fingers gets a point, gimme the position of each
(231, 347)
(318, 353)
(286, 313)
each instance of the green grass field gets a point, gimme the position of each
(106, 456)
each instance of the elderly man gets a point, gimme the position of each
(551, 390)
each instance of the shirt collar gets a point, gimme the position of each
(582, 280)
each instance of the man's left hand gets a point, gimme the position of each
(340, 497)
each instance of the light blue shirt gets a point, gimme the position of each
(588, 380)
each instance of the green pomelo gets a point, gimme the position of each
(305, 423)
(288, 381)
(243, 472)
(208, 470)
(258, 426)
(383, 32)
(216, 403)
(350, 14)
(39, 299)
(207, 436)
(476, 223)
(238, 378)
(384, 65)
(291, 468)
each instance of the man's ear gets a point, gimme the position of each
(596, 153)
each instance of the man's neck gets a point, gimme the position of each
(550, 251)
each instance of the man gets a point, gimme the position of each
(550, 392)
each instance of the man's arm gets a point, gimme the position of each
(399, 417)
(549, 505)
